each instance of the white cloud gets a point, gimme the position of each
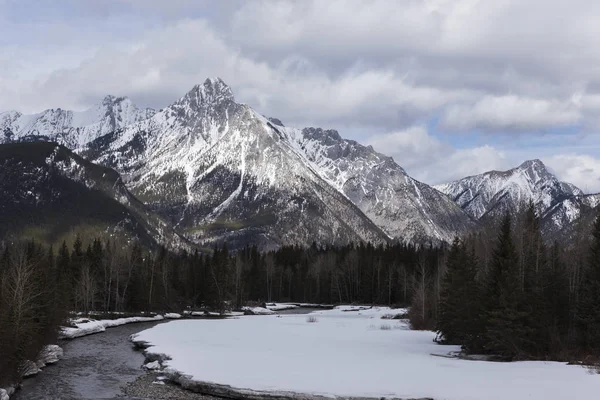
(511, 114)
(581, 170)
(505, 42)
(168, 61)
(433, 161)
(391, 62)
(500, 66)
(430, 160)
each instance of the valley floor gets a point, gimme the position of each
(351, 352)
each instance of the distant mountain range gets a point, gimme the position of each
(488, 196)
(71, 128)
(208, 169)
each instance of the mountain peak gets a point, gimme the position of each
(109, 100)
(492, 193)
(329, 136)
(213, 90)
(535, 163)
(536, 170)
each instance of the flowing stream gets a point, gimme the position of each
(97, 366)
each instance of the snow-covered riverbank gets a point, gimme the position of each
(50, 354)
(347, 352)
(98, 366)
(86, 326)
(79, 327)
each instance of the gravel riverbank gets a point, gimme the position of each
(145, 388)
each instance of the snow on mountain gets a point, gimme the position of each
(562, 216)
(219, 170)
(71, 128)
(492, 193)
(402, 206)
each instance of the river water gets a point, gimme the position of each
(97, 366)
(93, 367)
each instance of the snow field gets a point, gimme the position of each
(349, 352)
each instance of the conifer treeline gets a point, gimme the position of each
(40, 285)
(522, 299)
(103, 276)
(506, 293)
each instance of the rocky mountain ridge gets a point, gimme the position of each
(212, 166)
(73, 129)
(217, 170)
(489, 195)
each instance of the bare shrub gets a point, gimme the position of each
(311, 319)
(592, 365)
(385, 327)
(402, 315)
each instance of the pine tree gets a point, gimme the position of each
(473, 309)
(533, 276)
(555, 298)
(449, 326)
(63, 277)
(506, 330)
(459, 320)
(533, 251)
(588, 308)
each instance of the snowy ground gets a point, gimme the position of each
(226, 314)
(86, 326)
(258, 310)
(351, 352)
(281, 306)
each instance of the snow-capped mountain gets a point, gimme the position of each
(220, 170)
(561, 218)
(213, 169)
(402, 206)
(71, 128)
(494, 192)
(489, 195)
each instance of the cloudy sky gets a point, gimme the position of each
(447, 87)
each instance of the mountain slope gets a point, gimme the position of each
(220, 171)
(70, 128)
(560, 220)
(402, 206)
(217, 170)
(489, 195)
(492, 193)
(46, 191)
